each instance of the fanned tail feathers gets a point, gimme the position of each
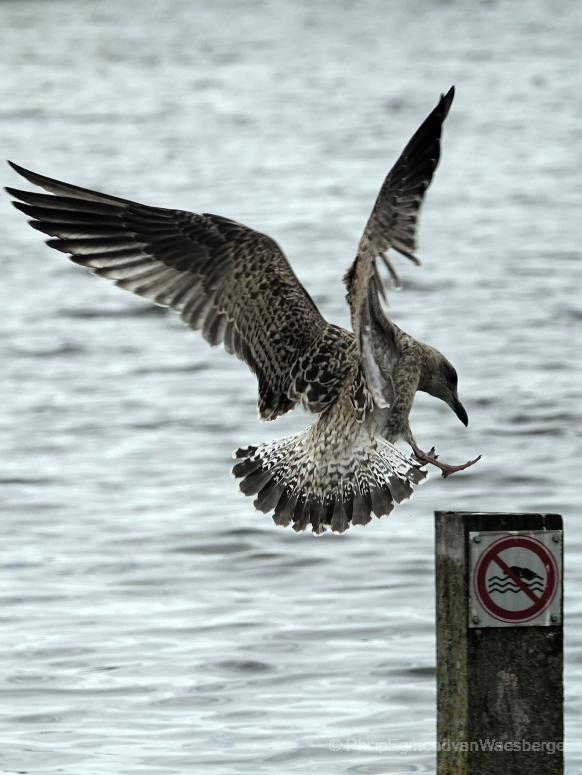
(325, 491)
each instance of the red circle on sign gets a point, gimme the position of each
(491, 554)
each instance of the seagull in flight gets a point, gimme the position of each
(236, 286)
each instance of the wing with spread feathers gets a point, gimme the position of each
(392, 224)
(232, 283)
(394, 217)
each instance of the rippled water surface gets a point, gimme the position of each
(151, 621)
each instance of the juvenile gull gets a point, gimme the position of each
(236, 286)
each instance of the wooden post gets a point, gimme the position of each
(499, 644)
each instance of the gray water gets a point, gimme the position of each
(151, 621)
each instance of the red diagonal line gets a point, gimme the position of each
(515, 578)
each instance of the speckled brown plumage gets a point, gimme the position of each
(235, 285)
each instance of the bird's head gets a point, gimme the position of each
(440, 380)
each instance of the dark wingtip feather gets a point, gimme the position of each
(61, 245)
(60, 188)
(18, 205)
(17, 168)
(446, 101)
(32, 177)
(15, 192)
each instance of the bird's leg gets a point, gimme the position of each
(431, 458)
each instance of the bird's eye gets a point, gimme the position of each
(451, 375)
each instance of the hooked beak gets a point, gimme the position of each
(459, 410)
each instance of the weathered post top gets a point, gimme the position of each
(499, 643)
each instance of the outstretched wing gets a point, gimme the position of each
(394, 217)
(392, 224)
(231, 282)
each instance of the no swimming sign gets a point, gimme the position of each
(515, 579)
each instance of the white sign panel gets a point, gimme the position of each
(516, 578)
